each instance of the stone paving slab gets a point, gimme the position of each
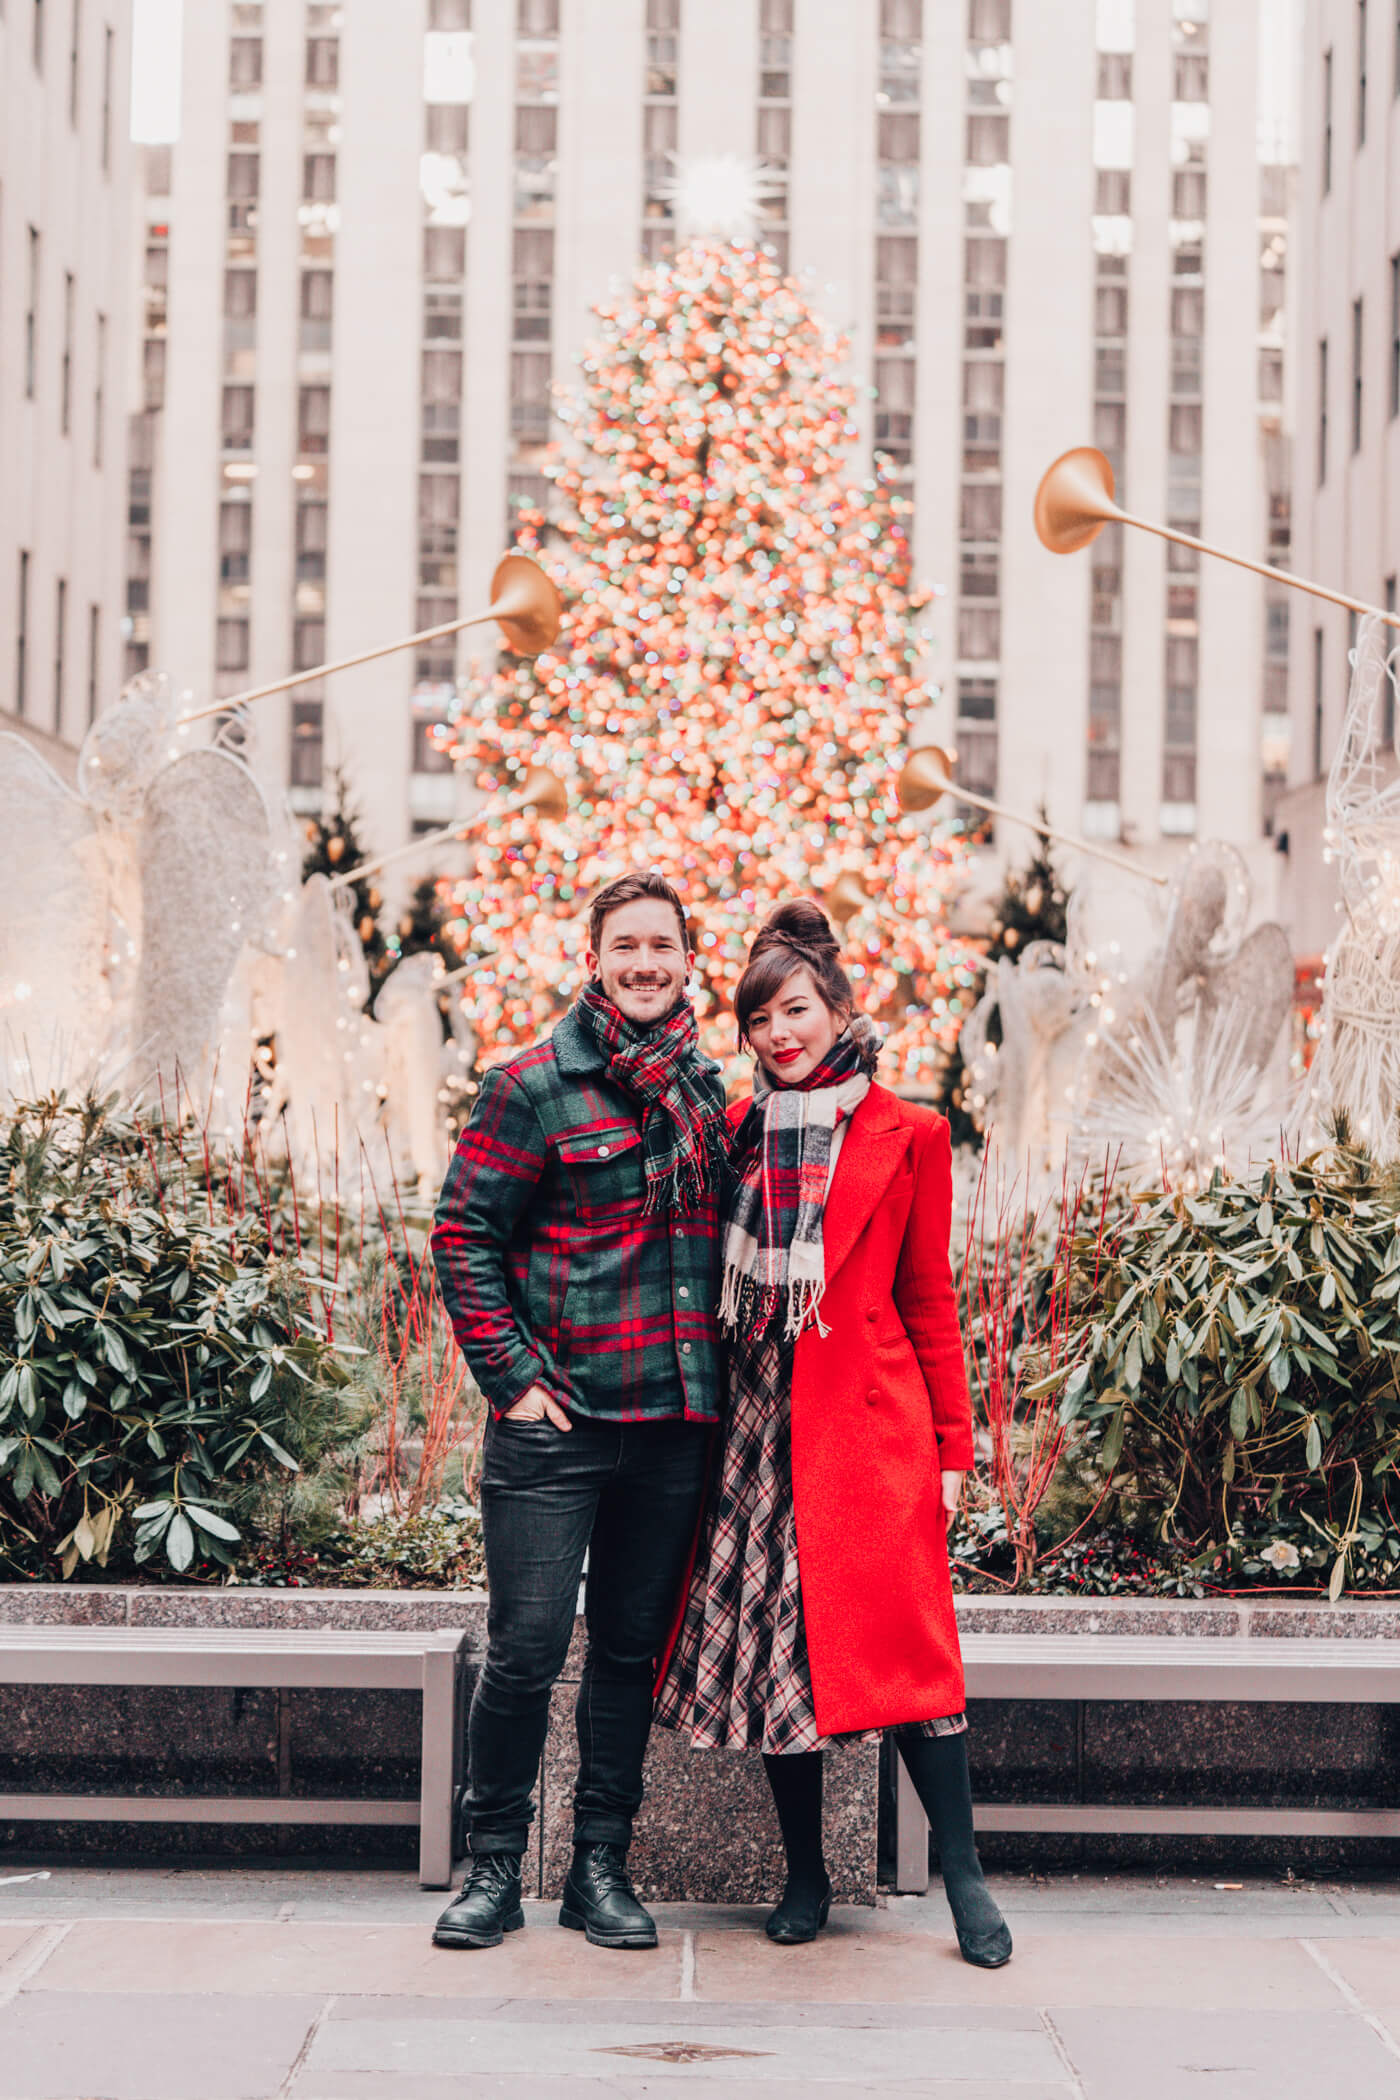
(292, 1958)
(1187, 2054)
(694, 2016)
(1080, 1969)
(695, 2083)
(412, 2050)
(64, 2045)
(13, 1940)
(1371, 1968)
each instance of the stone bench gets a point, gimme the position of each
(1111, 1666)
(430, 1662)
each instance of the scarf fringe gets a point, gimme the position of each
(747, 1307)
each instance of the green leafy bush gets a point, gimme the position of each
(160, 1343)
(1239, 1364)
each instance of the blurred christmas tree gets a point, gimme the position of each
(733, 689)
(334, 848)
(1032, 907)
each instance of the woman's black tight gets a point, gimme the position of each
(796, 1781)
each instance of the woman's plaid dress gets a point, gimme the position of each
(740, 1678)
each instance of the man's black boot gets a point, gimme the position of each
(488, 1907)
(599, 1900)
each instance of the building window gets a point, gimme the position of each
(307, 743)
(60, 640)
(31, 316)
(1115, 76)
(1318, 659)
(1326, 122)
(1322, 412)
(237, 419)
(314, 421)
(99, 395)
(36, 45)
(245, 64)
(323, 62)
(240, 295)
(109, 45)
(22, 635)
(1361, 27)
(235, 542)
(75, 46)
(94, 660)
(233, 645)
(1357, 378)
(318, 178)
(65, 370)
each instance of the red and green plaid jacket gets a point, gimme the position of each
(552, 1271)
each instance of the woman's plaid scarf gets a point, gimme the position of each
(683, 1126)
(773, 1252)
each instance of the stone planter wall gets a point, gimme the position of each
(707, 1832)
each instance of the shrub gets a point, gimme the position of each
(159, 1340)
(1239, 1361)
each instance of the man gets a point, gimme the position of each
(577, 1245)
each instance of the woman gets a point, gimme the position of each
(847, 1437)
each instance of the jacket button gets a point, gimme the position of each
(685, 1348)
(873, 1314)
(872, 1398)
(603, 1151)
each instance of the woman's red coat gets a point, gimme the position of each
(879, 1409)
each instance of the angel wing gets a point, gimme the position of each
(54, 1006)
(1363, 809)
(206, 880)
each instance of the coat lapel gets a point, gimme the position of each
(871, 1151)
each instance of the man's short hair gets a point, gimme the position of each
(632, 889)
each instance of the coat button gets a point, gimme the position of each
(603, 1151)
(685, 1348)
(873, 1314)
(685, 1290)
(872, 1398)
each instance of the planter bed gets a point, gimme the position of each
(707, 1832)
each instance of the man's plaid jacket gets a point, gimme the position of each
(552, 1271)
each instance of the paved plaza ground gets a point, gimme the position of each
(310, 1985)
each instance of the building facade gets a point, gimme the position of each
(64, 281)
(1346, 494)
(385, 229)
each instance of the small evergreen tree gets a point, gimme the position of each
(334, 847)
(421, 926)
(1033, 906)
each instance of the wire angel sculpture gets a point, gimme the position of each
(1356, 1072)
(128, 903)
(1180, 1079)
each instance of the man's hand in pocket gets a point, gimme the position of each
(537, 1406)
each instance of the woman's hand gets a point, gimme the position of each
(952, 1492)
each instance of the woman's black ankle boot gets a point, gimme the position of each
(797, 1795)
(937, 1765)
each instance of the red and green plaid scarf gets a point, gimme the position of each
(774, 1258)
(683, 1125)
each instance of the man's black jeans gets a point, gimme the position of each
(629, 1493)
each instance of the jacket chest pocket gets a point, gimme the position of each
(604, 1171)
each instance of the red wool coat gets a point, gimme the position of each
(879, 1409)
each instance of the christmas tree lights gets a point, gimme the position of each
(732, 692)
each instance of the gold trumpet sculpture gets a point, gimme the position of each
(926, 777)
(847, 896)
(1075, 501)
(524, 604)
(543, 791)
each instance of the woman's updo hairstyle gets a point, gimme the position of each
(796, 936)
